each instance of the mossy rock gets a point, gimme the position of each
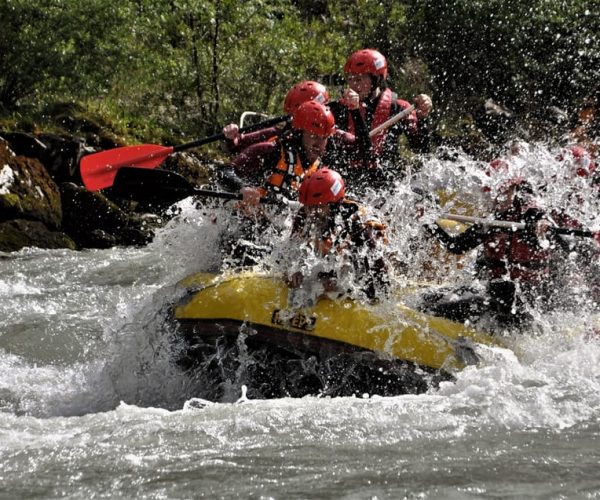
(26, 190)
(20, 233)
(73, 117)
(94, 221)
(195, 169)
(108, 140)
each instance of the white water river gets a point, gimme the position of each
(91, 406)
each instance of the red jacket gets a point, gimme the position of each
(277, 165)
(506, 254)
(384, 146)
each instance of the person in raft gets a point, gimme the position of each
(278, 166)
(367, 72)
(297, 95)
(272, 169)
(341, 144)
(336, 246)
(515, 265)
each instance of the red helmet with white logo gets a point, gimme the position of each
(302, 92)
(367, 61)
(322, 187)
(314, 118)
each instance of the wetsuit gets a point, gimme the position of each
(276, 167)
(350, 232)
(514, 264)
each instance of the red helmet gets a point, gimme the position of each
(302, 92)
(367, 61)
(314, 118)
(322, 187)
(581, 164)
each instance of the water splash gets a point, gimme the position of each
(81, 332)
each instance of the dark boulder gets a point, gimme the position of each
(26, 190)
(20, 233)
(94, 221)
(60, 154)
(63, 153)
(25, 144)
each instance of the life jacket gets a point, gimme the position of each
(514, 255)
(383, 111)
(289, 172)
(339, 238)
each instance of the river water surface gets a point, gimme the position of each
(91, 406)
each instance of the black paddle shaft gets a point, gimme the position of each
(164, 187)
(221, 136)
(567, 231)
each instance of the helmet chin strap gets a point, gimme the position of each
(376, 82)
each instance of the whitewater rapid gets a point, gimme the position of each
(92, 405)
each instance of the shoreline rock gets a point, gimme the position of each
(27, 191)
(20, 233)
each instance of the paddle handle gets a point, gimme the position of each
(216, 194)
(221, 136)
(484, 222)
(238, 196)
(394, 119)
(515, 226)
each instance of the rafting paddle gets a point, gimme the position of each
(164, 188)
(98, 170)
(515, 226)
(393, 120)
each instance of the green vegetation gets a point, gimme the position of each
(174, 69)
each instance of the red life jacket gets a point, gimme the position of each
(509, 254)
(383, 111)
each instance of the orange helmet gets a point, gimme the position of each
(302, 92)
(367, 61)
(322, 187)
(314, 118)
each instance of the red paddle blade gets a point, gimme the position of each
(98, 170)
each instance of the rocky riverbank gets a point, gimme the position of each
(44, 204)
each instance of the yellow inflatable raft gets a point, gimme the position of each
(385, 348)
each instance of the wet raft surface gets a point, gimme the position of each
(236, 329)
(292, 366)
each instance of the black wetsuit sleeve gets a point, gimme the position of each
(467, 240)
(250, 166)
(531, 218)
(230, 179)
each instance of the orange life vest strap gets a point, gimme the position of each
(289, 171)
